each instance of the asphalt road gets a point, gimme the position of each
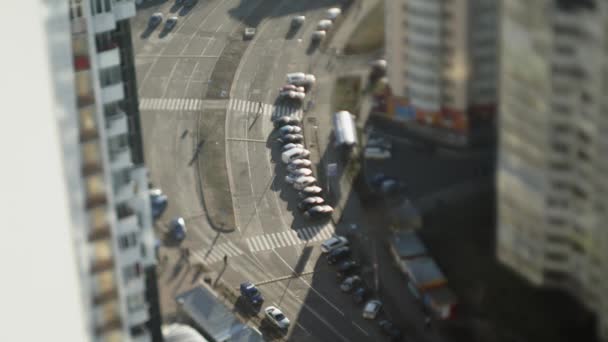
(175, 72)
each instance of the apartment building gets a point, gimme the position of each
(552, 185)
(442, 66)
(89, 152)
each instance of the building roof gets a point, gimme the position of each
(406, 244)
(181, 333)
(424, 272)
(215, 320)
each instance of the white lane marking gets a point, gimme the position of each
(249, 244)
(191, 104)
(310, 286)
(235, 247)
(363, 331)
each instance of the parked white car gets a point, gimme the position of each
(318, 35)
(310, 191)
(293, 154)
(292, 94)
(304, 181)
(276, 317)
(288, 87)
(372, 308)
(301, 172)
(333, 243)
(290, 146)
(298, 20)
(310, 202)
(289, 129)
(298, 164)
(324, 25)
(333, 13)
(301, 79)
(376, 153)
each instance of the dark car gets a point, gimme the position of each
(346, 267)
(177, 229)
(338, 254)
(360, 294)
(190, 3)
(390, 330)
(251, 294)
(158, 202)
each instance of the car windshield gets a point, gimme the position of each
(253, 291)
(279, 317)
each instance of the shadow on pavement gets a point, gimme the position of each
(147, 32)
(150, 3)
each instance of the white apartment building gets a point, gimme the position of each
(552, 184)
(442, 60)
(90, 151)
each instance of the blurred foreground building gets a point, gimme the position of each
(83, 120)
(442, 67)
(552, 184)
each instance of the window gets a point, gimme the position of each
(110, 76)
(127, 241)
(131, 272)
(136, 302)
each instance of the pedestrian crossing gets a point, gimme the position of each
(216, 253)
(267, 109)
(170, 104)
(290, 238)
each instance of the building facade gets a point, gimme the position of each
(442, 66)
(552, 189)
(117, 250)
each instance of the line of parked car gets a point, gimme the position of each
(295, 155)
(338, 253)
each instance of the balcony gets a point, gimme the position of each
(95, 191)
(79, 25)
(103, 259)
(104, 22)
(88, 124)
(91, 158)
(124, 9)
(109, 58)
(117, 124)
(112, 93)
(120, 159)
(124, 192)
(98, 223)
(107, 318)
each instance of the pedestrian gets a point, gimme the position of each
(260, 105)
(427, 322)
(225, 258)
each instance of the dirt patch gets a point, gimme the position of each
(346, 95)
(211, 163)
(225, 68)
(369, 35)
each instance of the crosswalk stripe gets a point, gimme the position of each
(249, 244)
(326, 233)
(276, 240)
(305, 234)
(182, 104)
(178, 103)
(263, 242)
(172, 104)
(198, 104)
(235, 248)
(241, 106)
(256, 247)
(283, 241)
(293, 237)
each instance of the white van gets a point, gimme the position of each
(293, 154)
(301, 79)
